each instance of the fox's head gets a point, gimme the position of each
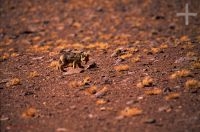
(85, 57)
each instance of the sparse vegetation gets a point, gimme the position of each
(126, 56)
(172, 96)
(181, 73)
(136, 59)
(91, 90)
(128, 112)
(121, 68)
(153, 91)
(5, 56)
(30, 112)
(196, 65)
(13, 82)
(54, 64)
(33, 74)
(145, 82)
(192, 84)
(101, 101)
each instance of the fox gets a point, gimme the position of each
(75, 58)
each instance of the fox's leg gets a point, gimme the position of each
(61, 65)
(74, 64)
(80, 66)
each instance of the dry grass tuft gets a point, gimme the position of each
(172, 96)
(146, 82)
(5, 56)
(155, 50)
(30, 112)
(181, 73)
(163, 46)
(136, 59)
(184, 38)
(13, 82)
(154, 91)
(126, 56)
(101, 101)
(121, 68)
(14, 55)
(191, 54)
(33, 74)
(37, 48)
(129, 112)
(192, 84)
(196, 65)
(54, 64)
(98, 45)
(86, 80)
(92, 90)
(75, 84)
(101, 92)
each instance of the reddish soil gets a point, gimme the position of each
(156, 44)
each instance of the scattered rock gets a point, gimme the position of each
(140, 98)
(38, 58)
(164, 108)
(118, 52)
(106, 80)
(101, 93)
(73, 107)
(4, 118)
(71, 71)
(130, 102)
(118, 61)
(27, 93)
(91, 65)
(149, 120)
(167, 90)
(185, 59)
(61, 130)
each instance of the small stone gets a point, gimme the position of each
(140, 98)
(164, 108)
(71, 71)
(73, 107)
(167, 90)
(118, 61)
(4, 118)
(91, 65)
(28, 93)
(101, 93)
(61, 130)
(118, 52)
(91, 116)
(129, 102)
(149, 121)
(103, 108)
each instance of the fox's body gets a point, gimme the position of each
(72, 57)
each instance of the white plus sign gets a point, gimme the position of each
(186, 14)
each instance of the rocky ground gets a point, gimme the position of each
(146, 76)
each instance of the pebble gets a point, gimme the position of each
(61, 130)
(140, 98)
(130, 102)
(164, 108)
(4, 118)
(91, 65)
(149, 121)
